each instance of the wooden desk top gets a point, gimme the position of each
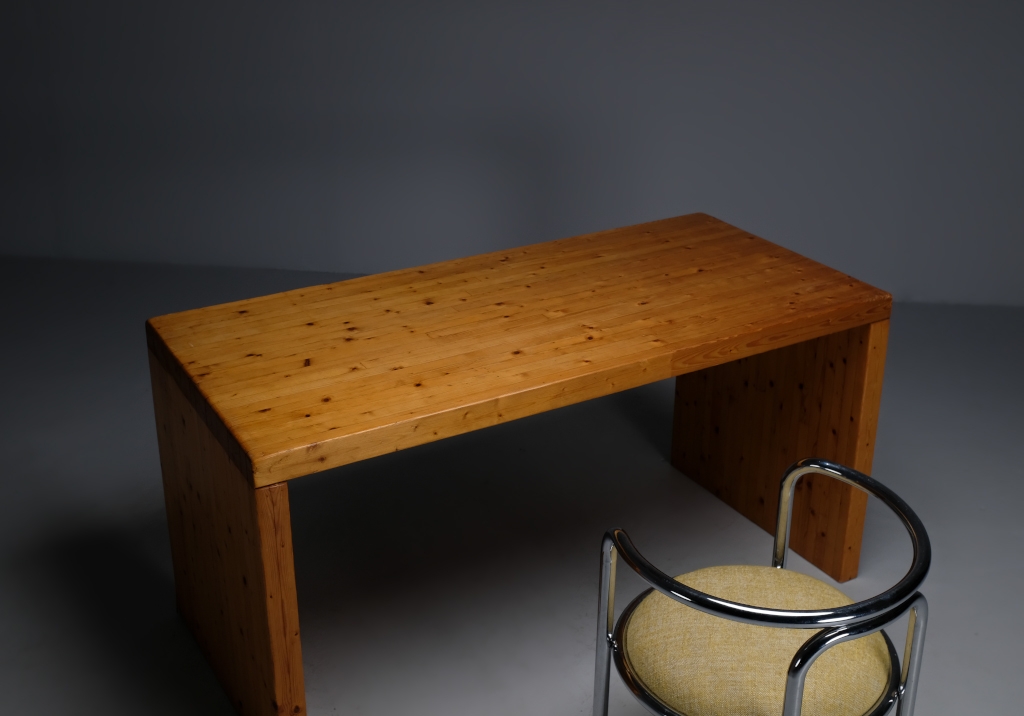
(310, 379)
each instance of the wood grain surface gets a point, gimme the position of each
(319, 377)
(233, 566)
(738, 426)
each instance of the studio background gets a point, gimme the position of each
(156, 157)
(880, 138)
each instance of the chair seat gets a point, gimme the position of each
(701, 665)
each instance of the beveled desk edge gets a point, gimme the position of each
(334, 452)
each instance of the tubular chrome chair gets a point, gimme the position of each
(719, 654)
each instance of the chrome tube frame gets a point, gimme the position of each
(883, 706)
(912, 655)
(605, 626)
(918, 535)
(905, 690)
(837, 624)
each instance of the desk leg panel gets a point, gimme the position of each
(738, 426)
(233, 567)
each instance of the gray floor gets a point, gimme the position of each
(458, 577)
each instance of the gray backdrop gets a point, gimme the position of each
(884, 140)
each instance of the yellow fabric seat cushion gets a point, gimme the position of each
(702, 665)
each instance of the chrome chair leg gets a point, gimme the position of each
(837, 624)
(901, 693)
(605, 626)
(912, 655)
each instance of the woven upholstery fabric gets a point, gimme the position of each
(702, 665)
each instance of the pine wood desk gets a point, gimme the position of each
(777, 358)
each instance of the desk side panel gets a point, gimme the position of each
(233, 569)
(738, 426)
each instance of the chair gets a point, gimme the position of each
(728, 640)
